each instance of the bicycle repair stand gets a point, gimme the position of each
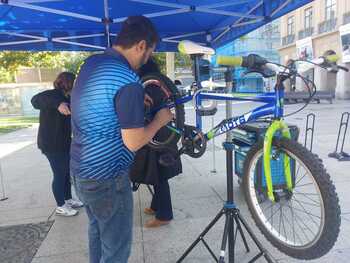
(310, 128)
(233, 217)
(341, 155)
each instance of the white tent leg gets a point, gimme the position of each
(213, 142)
(170, 65)
(3, 196)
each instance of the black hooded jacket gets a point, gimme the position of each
(55, 128)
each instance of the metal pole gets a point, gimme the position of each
(107, 21)
(229, 167)
(3, 198)
(310, 118)
(213, 141)
(228, 81)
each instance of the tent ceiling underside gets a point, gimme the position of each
(75, 25)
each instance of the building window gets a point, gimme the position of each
(331, 6)
(290, 26)
(308, 18)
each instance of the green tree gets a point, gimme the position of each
(72, 61)
(181, 61)
(10, 62)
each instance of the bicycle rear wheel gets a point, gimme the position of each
(162, 91)
(303, 223)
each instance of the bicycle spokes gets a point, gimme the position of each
(296, 217)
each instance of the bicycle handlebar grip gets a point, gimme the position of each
(332, 58)
(251, 61)
(229, 61)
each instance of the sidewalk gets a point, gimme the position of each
(197, 196)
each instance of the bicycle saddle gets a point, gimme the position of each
(191, 48)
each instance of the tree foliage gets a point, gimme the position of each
(12, 61)
(181, 61)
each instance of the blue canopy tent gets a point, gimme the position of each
(81, 25)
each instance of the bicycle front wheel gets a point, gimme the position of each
(303, 222)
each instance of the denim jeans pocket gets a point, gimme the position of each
(99, 196)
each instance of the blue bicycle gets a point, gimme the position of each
(300, 214)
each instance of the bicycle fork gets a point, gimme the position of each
(274, 127)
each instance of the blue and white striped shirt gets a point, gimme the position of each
(106, 97)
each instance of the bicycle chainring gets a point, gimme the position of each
(193, 142)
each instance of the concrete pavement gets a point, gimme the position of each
(197, 196)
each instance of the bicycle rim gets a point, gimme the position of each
(297, 219)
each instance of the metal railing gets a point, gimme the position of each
(307, 32)
(288, 40)
(327, 26)
(346, 18)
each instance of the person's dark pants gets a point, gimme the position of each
(61, 186)
(161, 201)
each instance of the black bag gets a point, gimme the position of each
(144, 170)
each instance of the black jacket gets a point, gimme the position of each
(55, 128)
(146, 168)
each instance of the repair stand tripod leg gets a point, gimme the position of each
(233, 216)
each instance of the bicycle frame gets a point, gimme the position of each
(273, 107)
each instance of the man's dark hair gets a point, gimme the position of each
(135, 29)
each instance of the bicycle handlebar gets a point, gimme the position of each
(255, 61)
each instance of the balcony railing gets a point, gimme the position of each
(327, 26)
(307, 32)
(288, 40)
(346, 18)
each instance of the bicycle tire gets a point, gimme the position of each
(332, 220)
(162, 90)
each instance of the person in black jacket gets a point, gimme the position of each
(147, 161)
(54, 139)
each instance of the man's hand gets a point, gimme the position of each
(135, 138)
(164, 116)
(64, 109)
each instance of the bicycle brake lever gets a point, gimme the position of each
(343, 68)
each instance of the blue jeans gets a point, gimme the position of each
(61, 186)
(109, 206)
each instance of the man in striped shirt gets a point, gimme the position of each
(107, 106)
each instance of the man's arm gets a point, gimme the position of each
(129, 104)
(135, 138)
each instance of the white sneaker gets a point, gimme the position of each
(74, 203)
(66, 210)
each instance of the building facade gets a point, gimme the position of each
(310, 31)
(320, 20)
(264, 41)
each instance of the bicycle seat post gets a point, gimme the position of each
(196, 71)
